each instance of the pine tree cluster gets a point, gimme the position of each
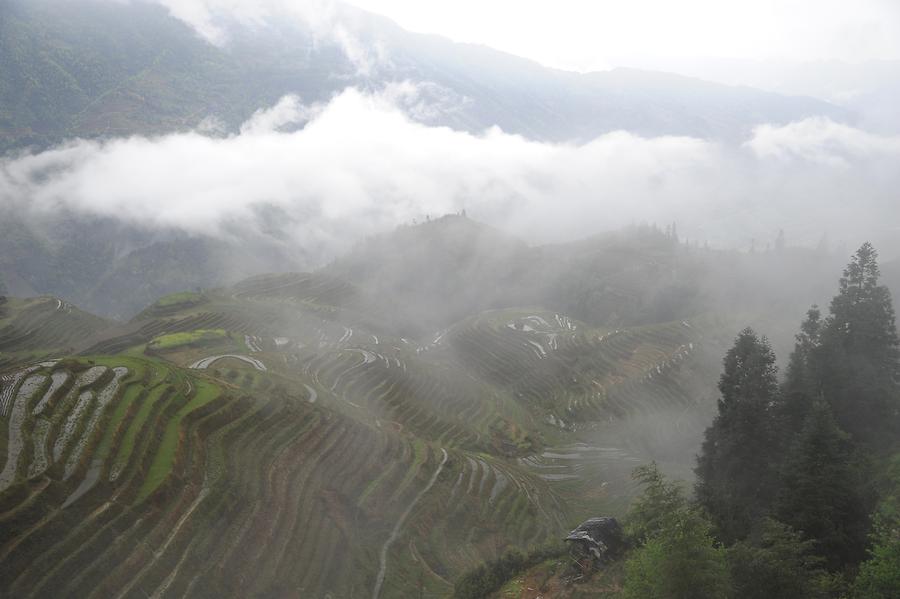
(807, 457)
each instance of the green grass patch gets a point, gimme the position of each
(513, 589)
(133, 363)
(134, 351)
(165, 457)
(135, 427)
(132, 390)
(182, 297)
(160, 373)
(198, 337)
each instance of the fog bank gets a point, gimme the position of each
(324, 176)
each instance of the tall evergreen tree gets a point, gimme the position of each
(801, 381)
(859, 355)
(734, 482)
(800, 374)
(822, 492)
(863, 312)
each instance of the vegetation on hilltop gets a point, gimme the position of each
(180, 298)
(195, 337)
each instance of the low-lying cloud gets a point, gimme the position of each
(325, 176)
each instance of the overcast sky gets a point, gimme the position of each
(598, 34)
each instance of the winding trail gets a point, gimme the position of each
(382, 566)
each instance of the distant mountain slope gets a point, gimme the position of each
(428, 276)
(423, 278)
(116, 269)
(523, 97)
(35, 327)
(88, 68)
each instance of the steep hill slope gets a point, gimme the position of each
(428, 276)
(278, 437)
(431, 275)
(41, 326)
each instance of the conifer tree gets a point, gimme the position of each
(734, 483)
(801, 381)
(821, 494)
(859, 356)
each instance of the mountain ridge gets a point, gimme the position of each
(68, 77)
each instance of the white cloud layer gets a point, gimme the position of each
(821, 141)
(360, 165)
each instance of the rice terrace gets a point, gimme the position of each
(236, 441)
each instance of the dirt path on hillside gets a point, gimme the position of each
(382, 567)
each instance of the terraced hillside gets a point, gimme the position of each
(124, 475)
(41, 326)
(184, 462)
(281, 438)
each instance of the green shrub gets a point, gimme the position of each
(679, 558)
(683, 562)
